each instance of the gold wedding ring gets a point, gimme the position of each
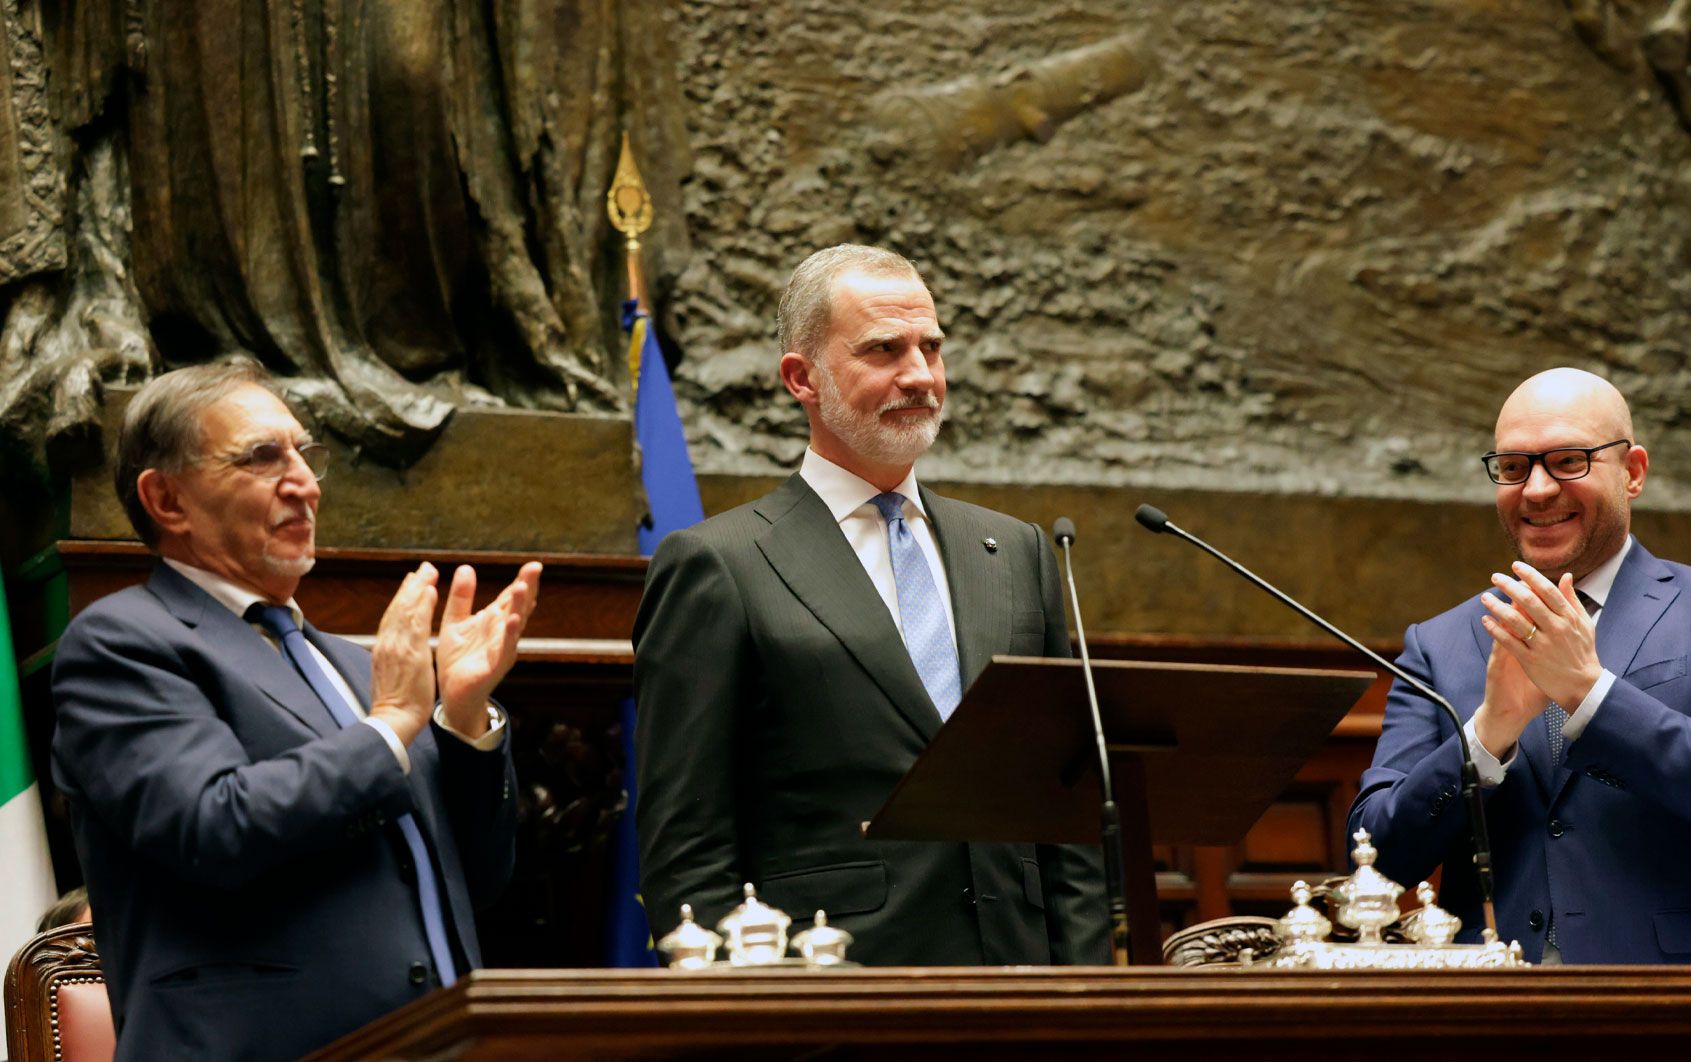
(1530, 634)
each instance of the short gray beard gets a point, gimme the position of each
(864, 434)
(292, 568)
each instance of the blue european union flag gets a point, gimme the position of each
(673, 494)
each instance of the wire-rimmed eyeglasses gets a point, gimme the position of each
(270, 459)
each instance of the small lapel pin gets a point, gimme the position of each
(991, 544)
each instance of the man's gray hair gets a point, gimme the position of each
(807, 303)
(161, 428)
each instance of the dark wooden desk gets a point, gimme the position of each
(889, 1015)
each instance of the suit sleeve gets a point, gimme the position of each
(478, 791)
(141, 746)
(1409, 797)
(1072, 876)
(694, 673)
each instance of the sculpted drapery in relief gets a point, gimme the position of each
(396, 204)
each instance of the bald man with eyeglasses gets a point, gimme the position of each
(284, 835)
(1571, 673)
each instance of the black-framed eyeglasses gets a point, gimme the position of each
(270, 460)
(1512, 467)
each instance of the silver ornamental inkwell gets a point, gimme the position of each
(755, 935)
(1367, 903)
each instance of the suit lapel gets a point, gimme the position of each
(243, 649)
(980, 584)
(807, 550)
(352, 662)
(1643, 590)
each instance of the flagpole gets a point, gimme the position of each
(629, 207)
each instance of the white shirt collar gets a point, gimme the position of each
(845, 492)
(236, 599)
(1602, 579)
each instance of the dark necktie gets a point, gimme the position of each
(921, 613)
(279, 621)
(1555, 716)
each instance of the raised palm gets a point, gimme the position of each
(476, 649)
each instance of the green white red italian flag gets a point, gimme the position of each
(26, 872)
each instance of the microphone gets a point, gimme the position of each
(1115, 876)
(1157, 521)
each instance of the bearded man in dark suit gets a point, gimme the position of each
(794, 656)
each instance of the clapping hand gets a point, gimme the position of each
(476, 649)
(1546, 630)
(402, 678)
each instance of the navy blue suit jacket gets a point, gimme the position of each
(1602, 843)
(251, 895)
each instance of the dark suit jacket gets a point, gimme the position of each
(251, 896)
(1602, 843)
(778, 707)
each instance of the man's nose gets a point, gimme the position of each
(914, 372)
(1540, 483)
(297, 478)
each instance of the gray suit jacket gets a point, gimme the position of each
(778, 707)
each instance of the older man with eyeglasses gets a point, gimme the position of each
(1571, 671)
(284, 836)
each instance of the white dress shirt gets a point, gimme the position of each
(848, 498)
(1596, 586)
(238, 599)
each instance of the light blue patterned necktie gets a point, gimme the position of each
(280, 622)
(921, 612)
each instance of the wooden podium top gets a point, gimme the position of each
(1088, 1012)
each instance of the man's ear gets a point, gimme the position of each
(162, 499)
(796, 377)
(1637, 466)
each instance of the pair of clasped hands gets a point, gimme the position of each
(1544, 648)
(473, 652)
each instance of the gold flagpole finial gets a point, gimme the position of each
(629, 207)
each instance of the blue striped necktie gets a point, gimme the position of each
(280, 622)
(921, 613)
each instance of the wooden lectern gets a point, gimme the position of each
(1197, 754)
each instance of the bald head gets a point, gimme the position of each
(1557, 394)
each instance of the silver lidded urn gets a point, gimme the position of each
(822, 944)
(689, 946)
(1367, 899)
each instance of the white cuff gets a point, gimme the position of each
(488, 741)
(393, 741)
(1491, 771)
(1580, 718)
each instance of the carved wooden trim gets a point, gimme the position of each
(1218, 943)
(66, 955)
